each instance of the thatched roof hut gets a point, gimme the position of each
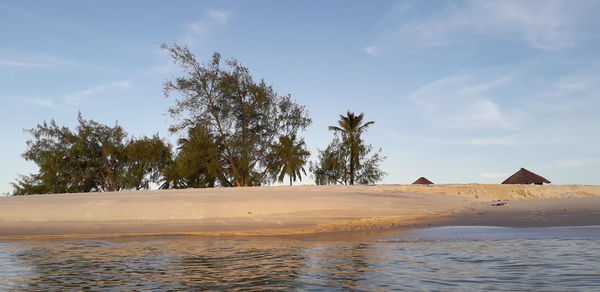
(422, 181)
(525, 177)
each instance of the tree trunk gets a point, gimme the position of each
(351, 165)
(290, 180)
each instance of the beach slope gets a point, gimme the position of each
(296, 210)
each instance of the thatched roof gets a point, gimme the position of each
(525, 177)
(422, 181)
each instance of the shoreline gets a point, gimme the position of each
(300, 211)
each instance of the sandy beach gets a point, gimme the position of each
(297, 210)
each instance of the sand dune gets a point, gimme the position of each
(296, 210)
(504, 192)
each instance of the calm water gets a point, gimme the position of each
(447, 259)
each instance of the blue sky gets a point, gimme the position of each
(461, 91)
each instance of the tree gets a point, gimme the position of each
(346, 159)
(331, 167)
(243, 117)
(146, 158)
(350, 128)
(94, 157)
(289, 157)
(196, 164)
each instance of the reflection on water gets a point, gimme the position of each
(504, 233)
(197, 263)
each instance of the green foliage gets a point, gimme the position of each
(289, 158)
(145, 160)
(243, 117)
(331, 165)
(346, 159)
(28, 185)
(94, 157)
(350, 128)
(196, 164)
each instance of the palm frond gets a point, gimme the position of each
(334, 128)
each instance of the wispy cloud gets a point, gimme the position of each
(512, 108)
(70, 99)
(574, 84)
(35, 101)
(44, 22)
(20, 64)
(218, 16)
(516, 140)
(196, 33)
(200, 30)
(35, 61)
(461, 101)
(548, 25)
(77, 97)
(371, 50)
(566, 102)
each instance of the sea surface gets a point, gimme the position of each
(438, 259)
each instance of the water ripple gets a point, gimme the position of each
(195, 263)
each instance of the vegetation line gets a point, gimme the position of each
(236, 132)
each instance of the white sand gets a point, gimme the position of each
(294, 210)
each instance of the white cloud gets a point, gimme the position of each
(78, 96)
(200, 30)
(461, 101)
(483, 112)
(548, 25)
(371, 50)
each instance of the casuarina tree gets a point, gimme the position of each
(93, 157)
(245, 118)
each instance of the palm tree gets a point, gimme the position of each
(290, 156)
(351, 127)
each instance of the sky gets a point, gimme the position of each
(460, 91)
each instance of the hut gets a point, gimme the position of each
(422, 181)
(525, 177)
